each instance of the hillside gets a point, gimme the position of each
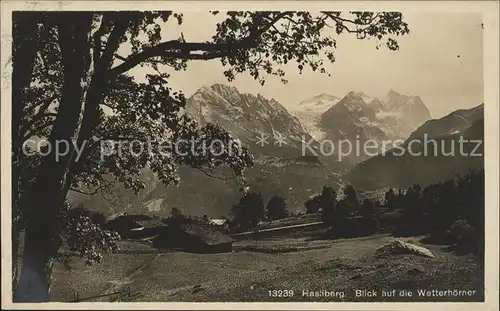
(429, 163)
(198, 194)
(456, 122)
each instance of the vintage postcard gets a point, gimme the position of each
(250, 155)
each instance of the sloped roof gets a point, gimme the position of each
(218, 222)
(150, 223)
(123, 222)
(206, 233)
(138, 217)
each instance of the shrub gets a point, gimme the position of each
(390, 199)
(462, 232)
(324, 202)
(312, 205)
(83, 235)
(97, 218)
(367, 208)
(276, 208)
(449, 212)
(248, 211)
(351, 198)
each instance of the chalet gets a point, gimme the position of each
(194, 237)
(151, 228)
(135, 226)
(223, 223)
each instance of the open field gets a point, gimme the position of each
(297, 263)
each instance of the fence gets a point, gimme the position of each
(125, 295)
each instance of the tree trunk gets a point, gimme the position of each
(102, 79)
(24, 49)
(95, 96)
(42, 240)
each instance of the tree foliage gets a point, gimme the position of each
(367, 208)
(248, 211)
(328, 204)
(351, 198)
(85, 234)
(325, 202)
(390, 199)
(276, 208)
(451, 211)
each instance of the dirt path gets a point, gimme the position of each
(120, 285)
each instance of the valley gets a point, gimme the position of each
(285, 170)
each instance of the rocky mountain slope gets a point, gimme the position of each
(396, 115)
(247, 117)
(351, 117)
(358, 117)
(283, 169)
(399, 121)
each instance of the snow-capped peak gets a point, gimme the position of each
(319, 103)
(366, 98)
(310, 110)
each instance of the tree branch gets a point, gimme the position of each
(176, 49)
(86, 193)
(97, 39)
(184, 50)
(291, 20)
(345, 20)
(27, 134)
(213, 176)
(359, 31)
(113, 41)
(120, 57)
(105, 186)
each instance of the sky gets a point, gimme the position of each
(440, 60)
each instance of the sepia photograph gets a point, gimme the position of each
(252, 152)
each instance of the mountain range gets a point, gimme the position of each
(248, 117)
(359, 117)
(456, 122)
(284, 169)
(430, 154)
